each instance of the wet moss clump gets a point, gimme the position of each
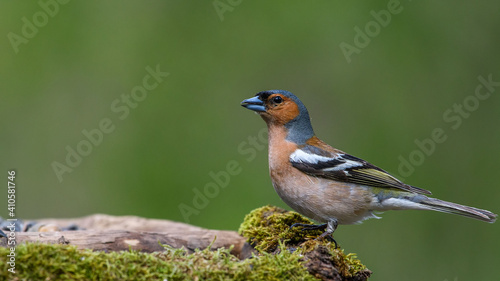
(266, 227)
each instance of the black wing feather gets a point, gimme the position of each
(365, 174)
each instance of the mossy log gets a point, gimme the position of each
(112, 233)
(264, 248)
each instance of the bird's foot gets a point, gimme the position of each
(328, 236)
(309, 226)
(330, 228)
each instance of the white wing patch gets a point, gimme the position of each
(348, 164)
(300, 156)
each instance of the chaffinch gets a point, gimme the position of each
(327, 184)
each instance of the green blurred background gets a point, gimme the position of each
(395, 90)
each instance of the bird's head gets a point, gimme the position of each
(282, 108)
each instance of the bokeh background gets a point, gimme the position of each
(85, 55)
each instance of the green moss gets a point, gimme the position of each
(35, 261)
(266, 227)
(283, 255)
(348, 264)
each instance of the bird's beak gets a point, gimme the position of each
(254, 104)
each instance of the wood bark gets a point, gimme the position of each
(111, 233)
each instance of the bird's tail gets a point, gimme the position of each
(457, 209)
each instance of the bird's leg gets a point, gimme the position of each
(330, 227)
(309, 226)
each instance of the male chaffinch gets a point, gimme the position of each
(327, 184)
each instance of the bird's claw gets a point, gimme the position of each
(309, 226)
(325, 235)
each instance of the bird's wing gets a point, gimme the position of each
(343, 167)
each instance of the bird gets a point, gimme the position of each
(326, 184)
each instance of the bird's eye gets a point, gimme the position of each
(277, 99)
